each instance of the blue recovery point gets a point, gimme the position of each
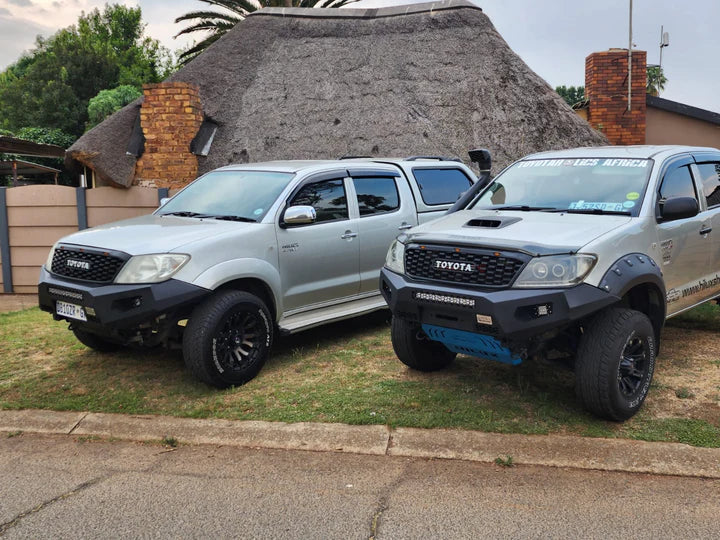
(472, 344)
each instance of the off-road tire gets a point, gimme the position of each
(227, 339)
(615, 362)
(95, 342)
(416, 350)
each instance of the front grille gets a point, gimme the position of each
(87, 265)
(483, 268)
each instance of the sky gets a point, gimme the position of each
(553, 36)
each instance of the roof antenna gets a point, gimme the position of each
(481, 156)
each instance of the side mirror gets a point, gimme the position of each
(164, 201)
(299, 215)
(679, 208)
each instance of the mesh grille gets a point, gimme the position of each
(100, 267)
(477, 267)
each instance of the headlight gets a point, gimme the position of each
(395, 259)
(151, 268)
(556, 271)
(48, 263)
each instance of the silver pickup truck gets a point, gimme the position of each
(243, 252)
(585, 251)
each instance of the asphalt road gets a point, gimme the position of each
(62, 487)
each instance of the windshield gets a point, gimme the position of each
(584, 185)
(234, 195)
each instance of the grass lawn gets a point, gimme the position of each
(347, 372)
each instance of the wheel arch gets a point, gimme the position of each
(253, 275)
(637, 280)
(254, 286)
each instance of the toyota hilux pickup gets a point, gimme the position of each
(242, 253)
(586, 251)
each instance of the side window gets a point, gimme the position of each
(376, 195)
(441, 186)
(710, 178)
(677, 183)
(327, 197)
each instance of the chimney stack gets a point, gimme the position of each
(606, 82)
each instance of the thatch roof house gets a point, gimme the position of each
(433, 78)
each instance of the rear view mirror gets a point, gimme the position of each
(299, 215)
(679, 208)
(164, 201)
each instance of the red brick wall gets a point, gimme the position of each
(606, 88)
(170, 116)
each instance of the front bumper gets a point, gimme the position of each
(114, 308)
(513, 314)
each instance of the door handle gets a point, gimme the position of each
(705, 230)
(348, 234)
(405, 226)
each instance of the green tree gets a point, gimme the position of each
(52, 85)
(109, 101)
(656, 80)
(215, 24)
(571, 94)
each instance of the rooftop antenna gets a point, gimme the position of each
(664, 42)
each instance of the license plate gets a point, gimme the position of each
(71, 311)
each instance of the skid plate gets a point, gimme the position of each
(472, 344)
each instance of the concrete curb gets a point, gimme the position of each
(545, 450)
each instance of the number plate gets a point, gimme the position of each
(71, 311)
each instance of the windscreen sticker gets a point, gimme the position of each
(628, 204)
(584, 162)
(559, 163)
(258, 211)
(587, 205)
(632, 196)
(642, 163)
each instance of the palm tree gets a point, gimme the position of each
(217, 23)
(655, 80)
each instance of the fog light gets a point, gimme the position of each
(542, 310)
(137, 301)
(90, 311)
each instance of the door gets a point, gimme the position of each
(319, 261)
(685, 244)
(386, 209)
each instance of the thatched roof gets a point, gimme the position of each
(293, 83)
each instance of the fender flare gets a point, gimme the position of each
(632, 270)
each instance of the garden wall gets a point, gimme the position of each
(33, 218)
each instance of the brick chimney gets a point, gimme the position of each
(606, 88)
(170, 117)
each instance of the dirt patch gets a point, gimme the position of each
(687, 377)
(17, 302)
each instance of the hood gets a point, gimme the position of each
(536, 233)
(153, 234)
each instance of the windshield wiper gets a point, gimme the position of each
(185, 213)
(235, 218)
(598, 211)
(525, 208)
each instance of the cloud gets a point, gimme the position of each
(21, 3)
(5, 12)
(18, 37)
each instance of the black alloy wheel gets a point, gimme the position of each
(633, 366)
